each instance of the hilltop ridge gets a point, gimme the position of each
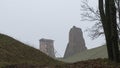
(13, 51)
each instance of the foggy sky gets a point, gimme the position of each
(31, 20)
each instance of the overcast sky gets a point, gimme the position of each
(31, 20)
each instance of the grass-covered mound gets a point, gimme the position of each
(14, 54)
(13, 51)
(98, 52)
(94, 63)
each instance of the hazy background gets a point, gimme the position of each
(31, 20)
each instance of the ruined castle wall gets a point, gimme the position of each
(76, 42)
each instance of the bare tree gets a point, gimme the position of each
(109, 22)
(92, 14)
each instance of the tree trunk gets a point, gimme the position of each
(108, 18)
(119, 10)
(109, 29)
(114, 32)
(105, 23)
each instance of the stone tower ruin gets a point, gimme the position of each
(47, 47)
(76, 42)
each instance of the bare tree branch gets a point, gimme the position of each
(92, 14)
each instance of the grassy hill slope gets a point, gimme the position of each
(15, 52)
(99, 52)
(94, 63)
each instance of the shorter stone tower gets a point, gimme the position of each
(47, 47)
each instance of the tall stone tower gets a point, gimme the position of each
(76, 42)
(47, 47)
